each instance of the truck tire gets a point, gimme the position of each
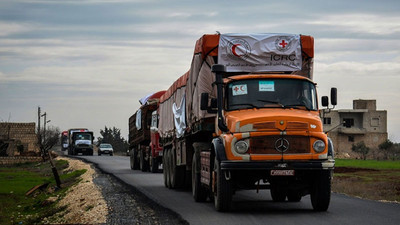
(224, 190)
(133, 159)
(198, 191)
(177, 173)
(153, 165)
(277, 194)
(168, 167)
(321, 191)
(165, 165)
(142, 165)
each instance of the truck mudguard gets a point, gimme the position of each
(219, 149)
(331, 150)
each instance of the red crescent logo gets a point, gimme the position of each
(241, 88)
(234, 50)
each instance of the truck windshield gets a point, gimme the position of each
(271, 93)
(84, 137)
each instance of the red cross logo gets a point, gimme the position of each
(236, 88)
(283, 44)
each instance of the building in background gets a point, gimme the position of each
(362, 123)
(18, 138)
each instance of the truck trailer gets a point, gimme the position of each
(245, 116)
(145, 150)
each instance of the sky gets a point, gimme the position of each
(86, 63)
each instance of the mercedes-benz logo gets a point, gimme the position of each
(281, 145)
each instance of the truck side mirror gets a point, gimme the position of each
(204, 101)
(325, 101)
(334, 96)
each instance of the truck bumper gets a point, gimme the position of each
(293, 165)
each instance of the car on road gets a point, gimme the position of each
(105, 148)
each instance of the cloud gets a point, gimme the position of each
(8, 28)
(360, 23)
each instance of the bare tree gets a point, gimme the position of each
(47, 138)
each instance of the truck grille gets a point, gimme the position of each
(266, 145)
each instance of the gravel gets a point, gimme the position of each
(127, 205)
(101, 198)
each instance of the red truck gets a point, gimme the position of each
(246, 116)
(145, 152)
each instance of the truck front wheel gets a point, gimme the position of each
(321, 191)
(224, 190)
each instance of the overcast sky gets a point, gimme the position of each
(88, 62)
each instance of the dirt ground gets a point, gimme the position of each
(85, 203)
(102, 199)
(381, 185)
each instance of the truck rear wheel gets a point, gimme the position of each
(133, 160)
(198, 191)
(177, 173)
(321, 191)
(165, 168)
(224, 190)
(143, 164)
(153, 164)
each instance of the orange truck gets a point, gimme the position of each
(246, 116)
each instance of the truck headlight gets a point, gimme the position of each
(319, 146)
(241, 147)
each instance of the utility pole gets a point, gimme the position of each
(53, 167)
(44, 128)
(38, 128)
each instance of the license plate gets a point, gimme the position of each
(282, 172)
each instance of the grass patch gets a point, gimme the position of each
(16, 180)
(368, 164)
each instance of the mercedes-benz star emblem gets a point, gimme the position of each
(281, 145)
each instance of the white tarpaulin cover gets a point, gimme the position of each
(139, 119)
(179, 118)
(260, 52)
(145, 98)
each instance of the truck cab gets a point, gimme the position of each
(270, 136)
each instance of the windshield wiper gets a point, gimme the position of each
(272, 102)
(296, 106)
(249, 104)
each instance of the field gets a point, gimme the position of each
(369, 179)
(19, 208)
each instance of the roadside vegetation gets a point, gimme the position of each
(369, 179)
(28, 192)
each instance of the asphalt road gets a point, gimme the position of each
(248, 206)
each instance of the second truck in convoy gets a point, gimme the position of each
(144, 146)
(246, 116)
